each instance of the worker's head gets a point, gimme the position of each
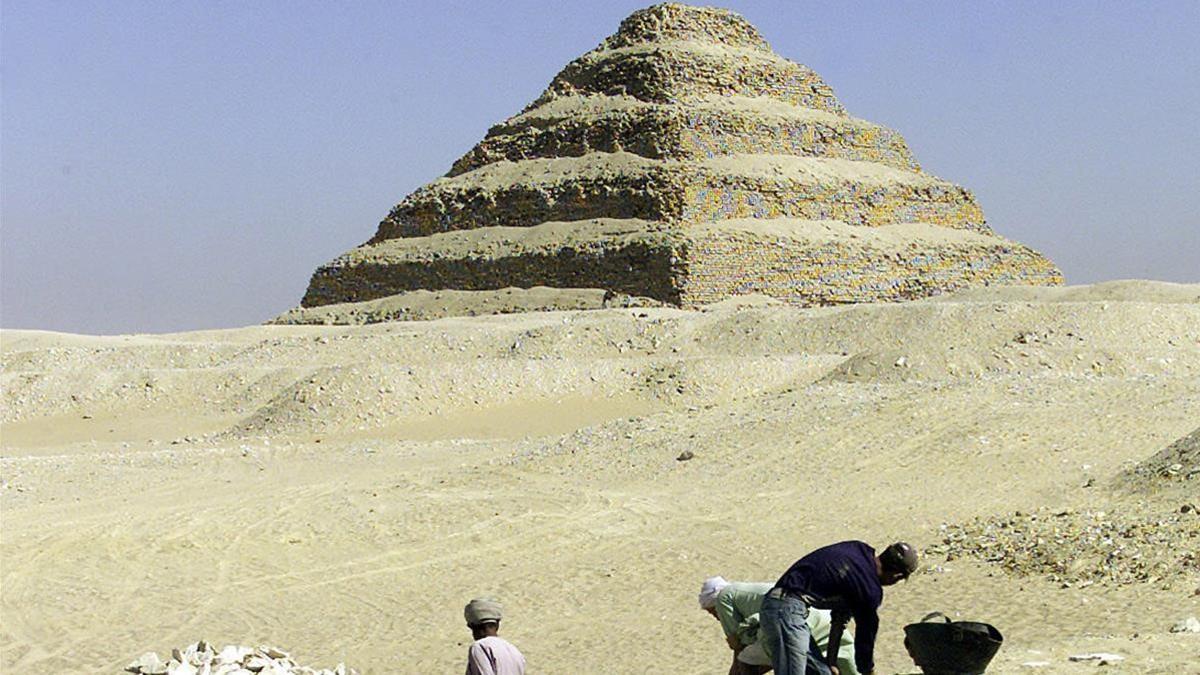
(483, 617)
(896, 562)
(709, 591)
(484, 629)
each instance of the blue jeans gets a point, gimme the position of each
(783, 627)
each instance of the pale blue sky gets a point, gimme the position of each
(178, 165)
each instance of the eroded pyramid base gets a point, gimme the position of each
(431, 305)
(800, 262)
(828, 262)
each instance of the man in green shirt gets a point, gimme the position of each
(736, 606)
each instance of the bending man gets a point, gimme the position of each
(736, 605)
(846, 578)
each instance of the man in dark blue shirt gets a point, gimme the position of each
(847, 578)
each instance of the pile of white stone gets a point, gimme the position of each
(202, 658)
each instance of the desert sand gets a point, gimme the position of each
(342, 491)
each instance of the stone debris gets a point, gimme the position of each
(1101, 658)
(201, 658)
(1188, 625)
(1081, 548)
(681, 160)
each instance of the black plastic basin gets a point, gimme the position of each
(940, 646)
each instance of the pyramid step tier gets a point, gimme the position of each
(830, 262)
(681, 72)
(624, 185)
(625, 256)
(577, 125)
(799, 261)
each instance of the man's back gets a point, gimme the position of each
(839, 577)
(842, 577)
(737, 602)
(494, 655)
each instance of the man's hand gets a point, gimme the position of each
(834, 670)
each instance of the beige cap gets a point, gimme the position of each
(481, 610)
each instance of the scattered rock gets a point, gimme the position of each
(201, 659)
(146, 663)
(685, 456)
(1100, 658)
(1188, 625)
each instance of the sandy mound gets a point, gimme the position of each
(1179, 461)
(343, 490)
(1109, 291)
(873, 366)
(742, 302)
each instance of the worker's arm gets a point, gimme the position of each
(837, 626)
(866, 625)
(729, 617)
(747, 632)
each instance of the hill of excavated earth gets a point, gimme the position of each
(1179, 461)
(341, 491)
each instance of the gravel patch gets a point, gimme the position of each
(1081, 548)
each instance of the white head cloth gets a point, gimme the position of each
(481, 610)
(710, 590)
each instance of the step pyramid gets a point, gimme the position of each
(683, 160)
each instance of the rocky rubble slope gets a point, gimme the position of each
(1081, 548)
